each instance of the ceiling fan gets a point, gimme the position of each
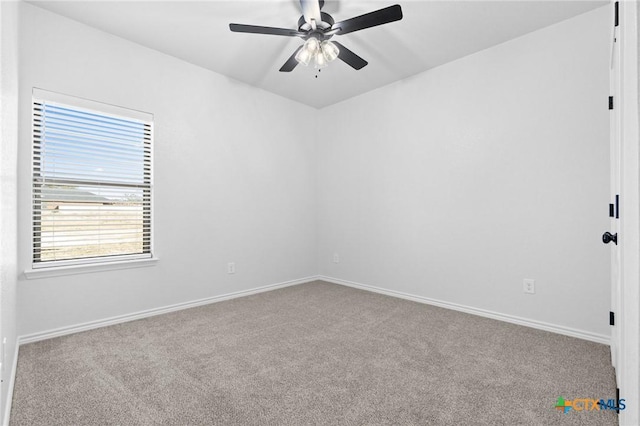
(317, 27)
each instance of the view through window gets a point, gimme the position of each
(92, 182)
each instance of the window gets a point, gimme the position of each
(92, 182)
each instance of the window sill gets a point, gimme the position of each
(59, 271)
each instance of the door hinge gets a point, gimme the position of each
(614, 209)
(616, 14)
(612, 318)
(610, 102)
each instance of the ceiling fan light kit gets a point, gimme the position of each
(316, 28)
(320, 53)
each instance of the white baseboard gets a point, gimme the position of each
(567, 331)
(62, 331)
(12, 381)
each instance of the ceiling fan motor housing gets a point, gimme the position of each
(318, 33)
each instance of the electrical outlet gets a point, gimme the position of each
(336, 258)
(529, 286)
(231, 268)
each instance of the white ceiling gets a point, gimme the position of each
(430, 34)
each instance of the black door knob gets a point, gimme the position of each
(607, 237)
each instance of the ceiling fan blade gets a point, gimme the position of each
(291, 62)
(349, 57)
(311, 10)
(255, 29)
(368, 20)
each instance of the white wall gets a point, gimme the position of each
(454, 184)
(234, 178)
(8, 191)
(460, 182)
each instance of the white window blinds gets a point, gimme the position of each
(92, 182)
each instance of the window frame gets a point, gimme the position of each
(103, 262)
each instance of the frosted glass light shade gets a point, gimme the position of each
(321, 61)
(329, 50)
(312, 45)
(309, 51)
(304, 56)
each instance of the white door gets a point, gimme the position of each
(614, 206)
(625, 180)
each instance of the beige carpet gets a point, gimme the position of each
(312, 354)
